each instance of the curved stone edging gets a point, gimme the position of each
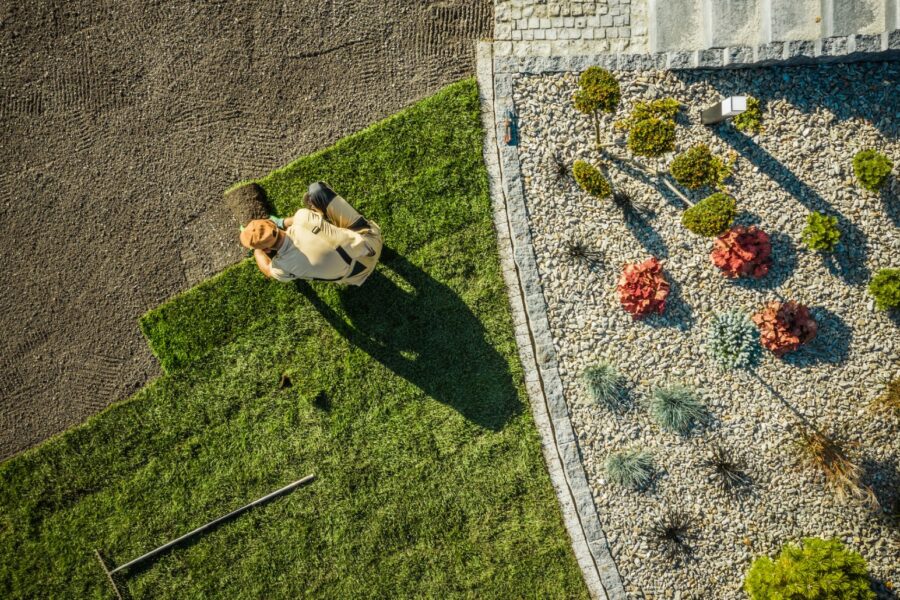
(534, 341)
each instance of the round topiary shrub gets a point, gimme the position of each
(711, 216)
(663, 108)
(821, 232)
(816, 570)
(652, 137)
(597, 90)
(604, 385)
(885, 289)
(590, 179)
(698, 167)
(871, 169)
(675, 408)
(733, 341)
(630, 468)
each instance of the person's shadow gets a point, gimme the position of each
(421, 330)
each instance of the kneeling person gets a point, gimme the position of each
(328, 241)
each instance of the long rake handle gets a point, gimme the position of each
(211, 524)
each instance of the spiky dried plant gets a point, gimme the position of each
(577, 251)
(672, 534)
(622, 199)
(729, 471)
(841, 474)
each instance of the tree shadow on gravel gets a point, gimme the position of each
(427, 336)
(630, 170)
(678, 313)
(780, 83)
(850, 263)
(884, 479)
(831, 344)
(890, 198)
(644, 233)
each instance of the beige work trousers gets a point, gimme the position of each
(341, 214)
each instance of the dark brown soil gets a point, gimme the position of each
(123, 122)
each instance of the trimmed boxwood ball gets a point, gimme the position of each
(698, 167)
(711, 216)
(597, 90)
(733, 341)
(590, 179)
(821, 232)
(664, 108)
(885, 289)
(871, 169)
(604, 385)
(816, 570)
(652, 137)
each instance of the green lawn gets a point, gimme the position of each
(406, 402)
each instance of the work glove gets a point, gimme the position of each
(279, 222)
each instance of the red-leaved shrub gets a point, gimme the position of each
(643, 289)
(743, 252)
(784, 327)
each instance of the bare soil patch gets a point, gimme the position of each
(124, 122)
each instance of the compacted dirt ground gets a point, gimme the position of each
(123, 121)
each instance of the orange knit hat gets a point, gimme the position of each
(258, 234)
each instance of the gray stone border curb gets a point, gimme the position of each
(850, 48)
(536, 350)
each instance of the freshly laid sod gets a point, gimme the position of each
(405, 400)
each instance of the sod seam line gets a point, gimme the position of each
(564, 464)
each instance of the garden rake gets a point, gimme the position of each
(111, 572)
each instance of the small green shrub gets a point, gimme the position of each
(597, 90)
(604, 385)
(816, 570)
(664, 108)
(698, 167)
(711, 216)
(590, 179)
(630, 468)
(675, 408)
(885, 288)
(821, 232)
(751, 119)
(733, 341)
(652, 137)
(871, 169)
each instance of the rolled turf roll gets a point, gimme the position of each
(247, 202)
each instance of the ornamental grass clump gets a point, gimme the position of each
(672, 534)
(821, 233)
(841, 474)
(871, 169)
(785, 326)
(630, 468)
(711, 216)
(643, 289)
(698, 167)
(815, 570)
(590, 179)
(733, 341)
(743, 252)
(889, 401)
(676, 408)
(750, 120)
(729, 472)
(885, 289)
(605, 385)
(598, 91)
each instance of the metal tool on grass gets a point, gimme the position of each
(111, 572)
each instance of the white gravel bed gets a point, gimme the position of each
(815, 120)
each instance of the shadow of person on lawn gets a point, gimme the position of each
(421, 330)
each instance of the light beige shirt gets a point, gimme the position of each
(305, 254)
